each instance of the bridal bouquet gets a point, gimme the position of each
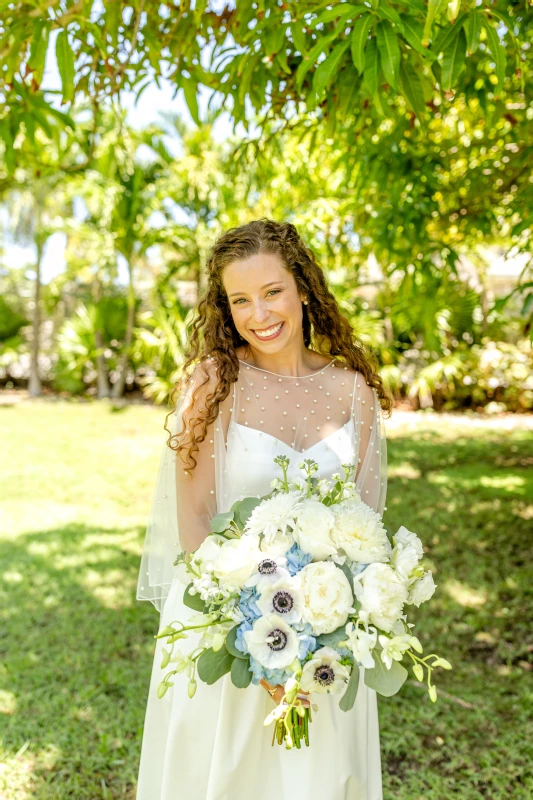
(302, 587)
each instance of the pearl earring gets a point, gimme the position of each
(305, 302)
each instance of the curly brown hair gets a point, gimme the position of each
(214, 336)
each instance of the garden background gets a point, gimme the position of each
(397, 137)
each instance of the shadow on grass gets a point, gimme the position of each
(78, 651)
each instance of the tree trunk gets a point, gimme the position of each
(120, 383)
(34, 383)
(103, 387)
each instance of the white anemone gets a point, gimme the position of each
(272, 642)
(285, 597)
(324, 673)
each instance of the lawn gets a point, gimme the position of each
(77, 647)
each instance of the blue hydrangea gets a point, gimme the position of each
(273, 676)
(248, 604)
(240, 643)
(307, 640)
(297, 559)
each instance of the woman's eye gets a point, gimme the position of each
(276, 291)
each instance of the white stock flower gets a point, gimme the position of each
(236, 561)
(324, 486)
(349, 492)
(360, 533)
(284, 598)
(407, 552)
(394, 648)
(361, 642)
(272, 642)
(312, 532)
(275, 518)
(382, 594)
(324, 673)
(421, 590)
(328, 596)
(298, 484)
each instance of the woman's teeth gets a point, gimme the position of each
(265, 334)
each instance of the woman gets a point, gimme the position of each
(275, 369)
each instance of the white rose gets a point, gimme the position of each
(313, 528)
(324, 673)
(327, 594)
(382, 594)
(408, 538)
(209, 550)
(360, 533)
(236, 561)
(421, 590)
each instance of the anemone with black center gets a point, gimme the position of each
(267, 566)
(277, 640)
(282, 602)
(324, 675)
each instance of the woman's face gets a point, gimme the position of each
(264, 302)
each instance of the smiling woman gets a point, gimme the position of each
(273, 367)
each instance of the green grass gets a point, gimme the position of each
(77, 648)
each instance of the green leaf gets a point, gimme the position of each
(193, 601)
(190, 88)
(341, 10)
(327, 69)
(385, 681)
(332, 639)
(372, 66)
(65, 64)
(113, 18)
(389, 50)
(495, 47)
(349, 574)
(472, 30)
(391, 14)
(221, 522)
(453, 61)
(412, 33)
(359, 40)
(298, 36)
(212, 666)
(39, 47)
(446, 35)
(411, 87)
(243, 509)
(348, 699)
(309, 60)
(435, 7)
(230, 644)
(241, 674)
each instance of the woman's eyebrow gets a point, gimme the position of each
(262, 287)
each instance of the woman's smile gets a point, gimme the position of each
(268, 333)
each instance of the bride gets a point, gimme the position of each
(273, 367)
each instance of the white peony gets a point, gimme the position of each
(361, 642)
(236, 561)
(382, 594)
(312, 532)
(360, 533)
(324, 673)
(275, 519)
(407, 552)
(272, 642)
(284, 598)
(421, 590)
(328, 596)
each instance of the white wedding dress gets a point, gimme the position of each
(215, 746)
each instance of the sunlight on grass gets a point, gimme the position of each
(511, 483)
(465, 595)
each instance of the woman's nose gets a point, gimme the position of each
(260, 312)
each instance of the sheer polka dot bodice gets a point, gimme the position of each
(331, 415)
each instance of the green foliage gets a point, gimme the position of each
(213, 664)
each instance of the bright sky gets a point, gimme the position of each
(151, 102)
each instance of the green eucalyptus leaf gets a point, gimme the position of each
(193, 601)
(213, 665)
(230, 644)
(385, 681)
(241, 674)
(348, 699)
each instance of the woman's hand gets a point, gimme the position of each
(277, 692)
